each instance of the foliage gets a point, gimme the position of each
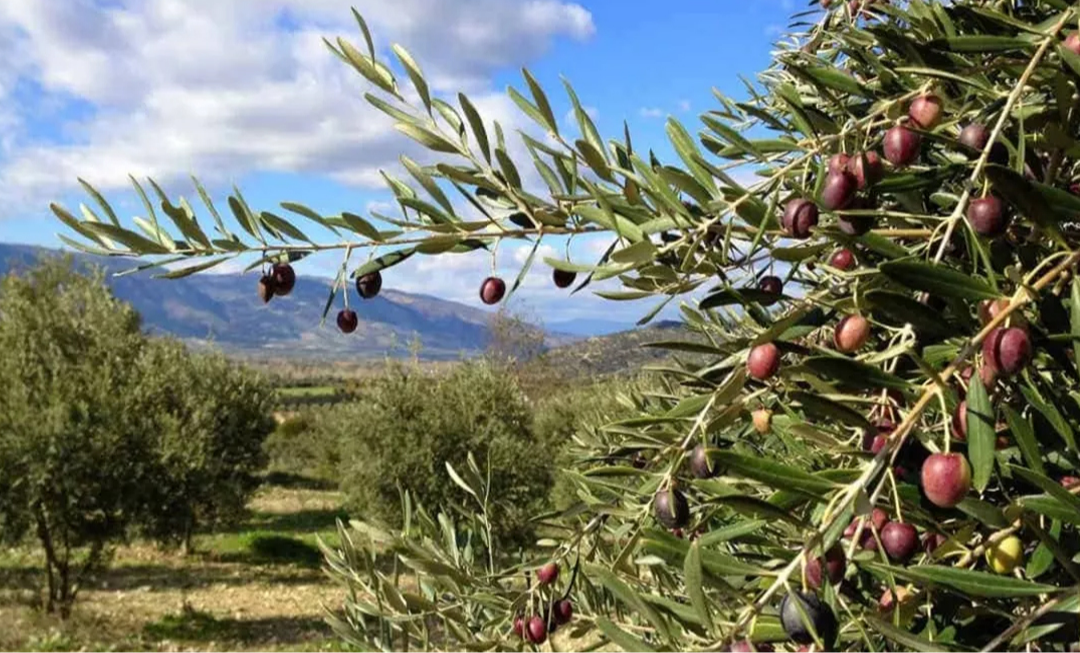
(568, 410)
(307, 443)
(406, 426)
(843, 84)
(514, 339)
(209, 418)
(106, 431)
(73, 454)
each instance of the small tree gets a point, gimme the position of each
(73, 453)
(882, 452)
(514, 340)
(209, 419)
(406, 426)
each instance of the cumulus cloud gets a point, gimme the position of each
(230, 87)
(570, 119)
(652, 112)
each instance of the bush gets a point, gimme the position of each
(104, 431)
(209, 419)
(302, 444)
(74, 451)
(406, 426)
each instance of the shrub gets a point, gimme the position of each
(306, 444)
(209, 419)
(405, 428)
(74, 454)
(104, 431)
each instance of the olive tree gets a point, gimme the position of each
(208, 419)
(73, 453)
(881, 450)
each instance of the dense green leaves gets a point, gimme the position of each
(937, 280)
(967, 581)
(620, 637)
(853, 373)
(108, 432)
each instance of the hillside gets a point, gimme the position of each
(223, 310)
(617, 352)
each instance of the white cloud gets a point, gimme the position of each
(657, 112)
(571, 117)
(380, 206)
(597, 245)
(521, 254)
(221, 89)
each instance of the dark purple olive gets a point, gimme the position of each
(902, 146)
(771, 285)
(266, 288)
(492, 290)
(988, 216)
(701, 464)
(671, 509)
(855, 225)
(368, 285)
(347, 320)
(800, 216)
(867, 169)
(563, 278)
(1007, 350)
(975, 136)
(839, 163)
(284, 279)
(839, 191)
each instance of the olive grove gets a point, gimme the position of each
(880, 451)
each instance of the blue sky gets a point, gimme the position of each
(243, 91)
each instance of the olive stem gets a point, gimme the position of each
(895, 494)
(994, 538)
(1014, 96)
(995, 644)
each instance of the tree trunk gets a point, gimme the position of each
(189, 532)
(50, 558)
(64, 570)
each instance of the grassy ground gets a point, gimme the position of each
(255, 587)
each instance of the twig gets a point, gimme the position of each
(985, 155)
(995, 644)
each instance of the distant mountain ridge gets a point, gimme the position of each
(223, 310)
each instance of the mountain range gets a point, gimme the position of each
(223, 310)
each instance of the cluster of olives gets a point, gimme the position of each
(536, 628)
(278, 282)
